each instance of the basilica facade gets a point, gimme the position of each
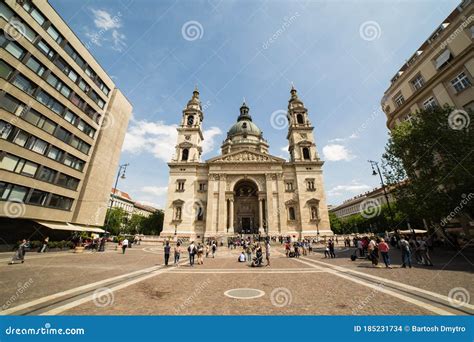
(245, 190)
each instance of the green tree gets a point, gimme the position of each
(114, 219)
(430, 161)
(135, 224)
(153, 225)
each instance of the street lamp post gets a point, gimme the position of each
(124, 168)
(374, 173)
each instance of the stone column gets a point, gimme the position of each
(210, 208)
(260, 215)
(271, 222)
(281, 204)
(231, 215)
(222, 215)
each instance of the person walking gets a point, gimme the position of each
(373, 252)
(406, 253)
(207, 250)
(167, 249)
(213, 249)
(192, 253)
(425, 253)
(200, 252)
(267, 252)
(124, 245)
(20, 253)
(248, 251)
(384, 248)
(331, 249)
(45, 245)
(360, 247)
(177, 253)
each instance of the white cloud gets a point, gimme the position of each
(155, 190)
(335, 152)
(352, 136)
(353, 188)
(160, 139)
(118, 40)
(104, 20)
(284, 148)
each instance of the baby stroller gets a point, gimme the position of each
(257, 260)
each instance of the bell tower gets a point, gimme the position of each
(301, 145)
(190, 137)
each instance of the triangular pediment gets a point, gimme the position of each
(246, 156)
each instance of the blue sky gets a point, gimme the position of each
(339, 54)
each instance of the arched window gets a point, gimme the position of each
(177, 215)
(314, 213)
(190, 120)
(306, 155)
(200, 213)
(185, 154)
(299, 119)
(291, 214)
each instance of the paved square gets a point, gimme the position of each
(137, 283)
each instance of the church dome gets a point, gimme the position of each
(244, 124)
(244, 127)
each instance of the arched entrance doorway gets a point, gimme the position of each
(246, 210)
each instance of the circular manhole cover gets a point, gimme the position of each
(244, 293)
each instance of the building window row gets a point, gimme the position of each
(461, 82)
(180, 185)
(289, 186)
(33, 117)
(19, 53)
(53, 33)
(18, 193)
(29, 141)
(310, 185)
(10, 162)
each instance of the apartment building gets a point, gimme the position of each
(440, 71)
(62, 124)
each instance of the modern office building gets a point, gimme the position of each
(441, 70)
(62, 124)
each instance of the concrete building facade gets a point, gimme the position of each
(62, 122)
